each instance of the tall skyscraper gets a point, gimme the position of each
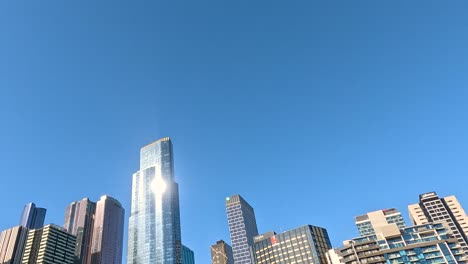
(221, 253)
(242, 228)
(368, 223)
(12, 243)
(32, 216)
(49, 245)
(79, 217)
(154, 226)
(431, 208)
(188, 257)
(107, 238)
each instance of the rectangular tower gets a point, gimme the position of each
(79, 219)
(32, 216)
(107, 239)
(306, 245)
(188, 257)
(221, 253)
(431, 208)
(242, 228)
(12, 243)
(49, 245)
(154, 225)
(368, 223)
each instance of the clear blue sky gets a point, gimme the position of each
(314, 111)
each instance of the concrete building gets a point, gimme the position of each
(12, 243)
(429, 243)
(79, 219)
(32, 216)
(305, 245)
(242, 228)
(221, 253)
(368, 223)
(431, 208)
(49, 245)
(154, 226)
(188, 257)
(107, 237)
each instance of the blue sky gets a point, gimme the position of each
(314, 111)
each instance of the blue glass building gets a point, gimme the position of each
(242, 228)
(32, 216)
(154, 225)
(188, 257)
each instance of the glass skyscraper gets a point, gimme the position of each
(79, 219)
(32, 216)
(306, 245)
(242, 228)
(188, 257)
(154, 226)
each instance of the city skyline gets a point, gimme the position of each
(322, 108)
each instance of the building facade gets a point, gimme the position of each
(306, 245)
(49, 245)
(12, 243)
(107, 238)
(188, 257)
(242, 228)
(426, 244)
(368, 223)
(154, 226)
(32, 216)
(79, 219)
(431, 208)
(221, 253)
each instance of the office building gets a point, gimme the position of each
(221, 253)
(50, 244)
(428, 243)
(242, 228)
(12, 243)
(79, 217)
(368, 223)
(431, 208)
(107, 238)
(188, 257)
(306, 245)
(154, 225)
(32, 216)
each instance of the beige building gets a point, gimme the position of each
(49, 245)
(12, 244)
(370, 223)
(221, 253)
(431, 208)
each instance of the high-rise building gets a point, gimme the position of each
(428, 243)
(12, 243)
(242, 228)
(368, 223)
(50, 244)
(431, 208)
(107, 237)
(32, 216)
(221, 253)
(154, 226)
(79, 219)
(306, 245)
(188, 257)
